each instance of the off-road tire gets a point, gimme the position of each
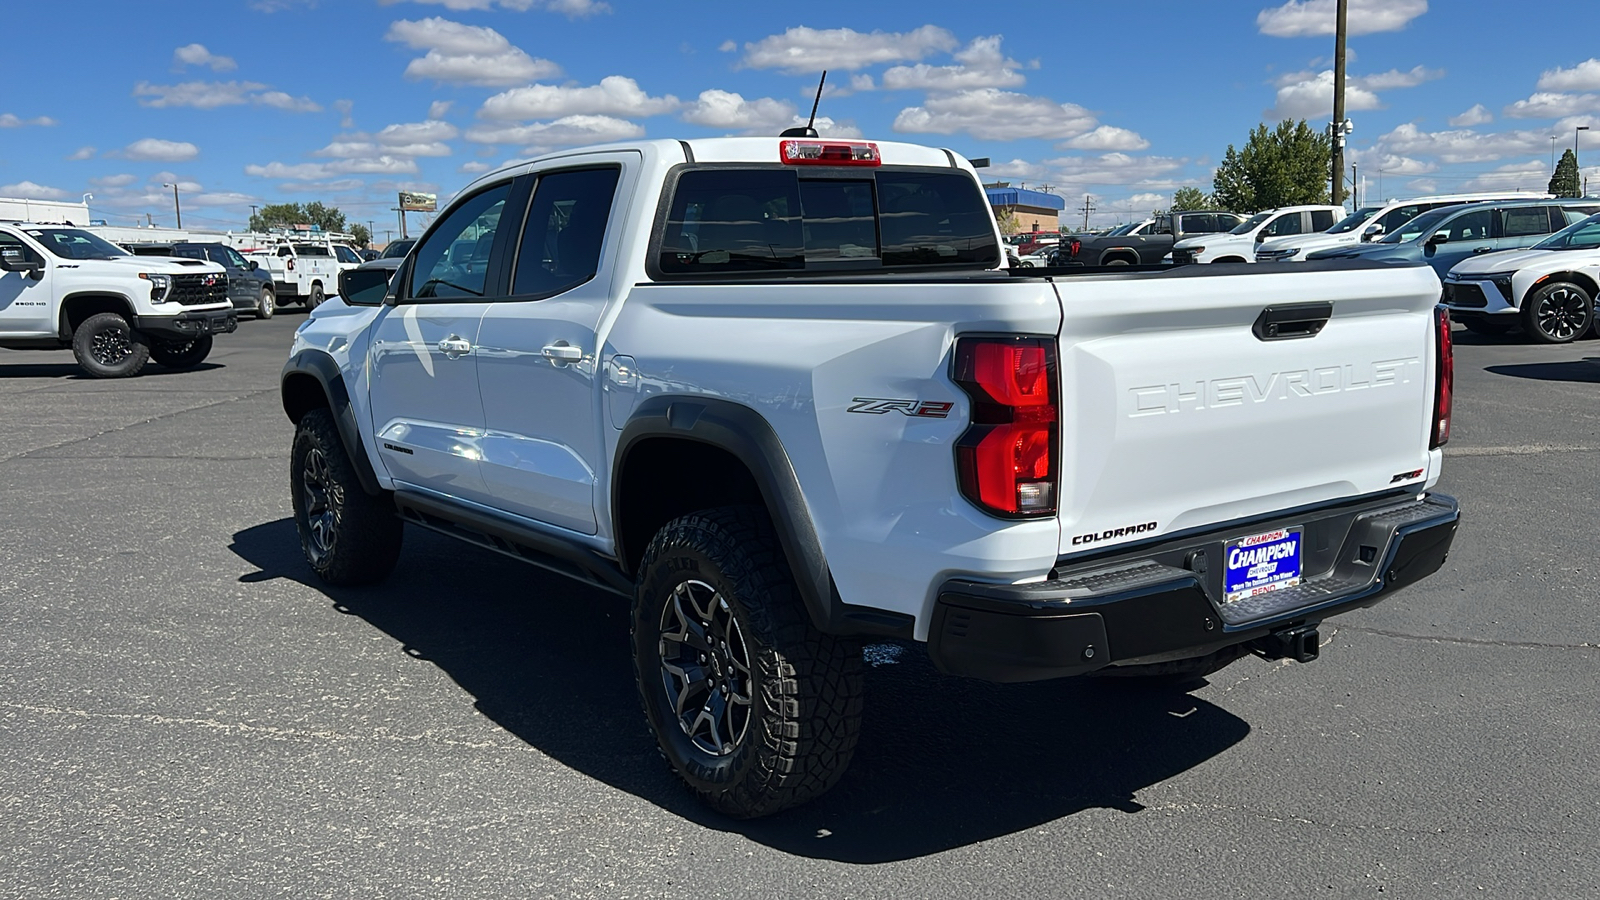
(266, 304)
(181, 354)
(314, 299)
(1486, 326)
(804, 687)
(1558, 313)
(1119, 261)
(106, 346)
(1177, 670)
(347, 535)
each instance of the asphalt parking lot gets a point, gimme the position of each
(185, 712)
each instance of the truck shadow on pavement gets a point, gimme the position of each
(1584, 371)
(71, 371)
(943, 762)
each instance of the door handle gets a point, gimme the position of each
(1481, 249)
(562, 352)
(455, 347)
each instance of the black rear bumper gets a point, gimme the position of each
(186, 326)
(1160, 602)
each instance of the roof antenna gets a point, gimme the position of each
(807, 131)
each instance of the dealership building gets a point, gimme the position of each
(1034, 210)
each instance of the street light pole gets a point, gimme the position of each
(1575, 151)
(177, 210)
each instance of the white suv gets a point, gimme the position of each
(1372, 222)
(64, 287)
(1549, 289)
(1239, 245)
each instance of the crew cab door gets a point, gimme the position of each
(426, 411)
(25, 300)
(540, 356)
(1461, 237)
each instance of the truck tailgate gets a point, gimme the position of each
(1177, 415)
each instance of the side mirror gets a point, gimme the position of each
(1261, 235)
(254, 265)
(1371, 232)
(364, 287)
(13, 259)
(1438, 237)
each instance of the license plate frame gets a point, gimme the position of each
(1256, 564)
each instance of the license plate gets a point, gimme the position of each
(1262, 563)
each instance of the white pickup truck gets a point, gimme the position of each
(783, 394)
(63, 287)
(302, 271)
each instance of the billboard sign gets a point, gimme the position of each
(415, 202)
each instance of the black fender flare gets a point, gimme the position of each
(744, 433)
(322, 367)
(65, 332)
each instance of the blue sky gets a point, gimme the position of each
(259, 101)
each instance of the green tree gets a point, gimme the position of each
(1285, 166)
(362, 236)
(282, 215)
(1185, 199)
(1007, 220)
(1565, 182)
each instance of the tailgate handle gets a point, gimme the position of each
(1282, 323)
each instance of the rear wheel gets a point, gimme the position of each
(1557, 313)
(314, 299)
(1231, 259)
(266, 304)
(1119, 261)
(753, 707)
(181, 354)
(106, 346)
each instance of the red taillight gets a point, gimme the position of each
(1008, 461)
(829, 153)
(1076, 245)
(1444, 382)
(290, 266)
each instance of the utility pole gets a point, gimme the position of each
(1575, 153)
(178, 210)
(1355, 172)
(1338, 102)
(1552, 154)
(1086, 208)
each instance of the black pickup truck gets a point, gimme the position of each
(1148, 247)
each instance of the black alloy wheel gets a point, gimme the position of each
(106, 346)
(705, 667)
(321, 499)
(1558, 313)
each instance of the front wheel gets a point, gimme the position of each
(106, 346)
(181, 354)
(348, 536)
(753, 707)
(1557, 313)
(266, 304)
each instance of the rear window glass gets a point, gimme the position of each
(311, 250)
(755, 220)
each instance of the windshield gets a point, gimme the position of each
(228, 256)
(1417, 227)
(1251, 224)
(1121, 230)
(71, 243)
(397, 249)
(1583, 236)
(1354, 220)
(346, 255)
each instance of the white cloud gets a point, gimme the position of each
(27, 190)
(1462, 146)
(993, 114)
(1375, 160)
(1533, 175)
(615, 95)
(1109, 137)
(1545, 105)
(980, 65)
(1308, 95)
(8, 120)
(114, 181)
(828, 128)
(410, 139)
(214, 94)
(344, 107)
(801, 49)
(157, 150)
(378, 165)
(438, 109)
(474, 168)
(1584, 76)
(466, 54)
(1394, 78)
(1315, 18)
(723, 109)
(567, 131)
(574, 9)
(82, 153)
(198, 55)
(1477, 115)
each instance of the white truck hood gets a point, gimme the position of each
(161, 265)
(1217, 239)
(1308, 243)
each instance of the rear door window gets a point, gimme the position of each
(1321, 219)
(1469, 226)
(747, 220)
(1285, 225)
(566, 229)
(1525, 221)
